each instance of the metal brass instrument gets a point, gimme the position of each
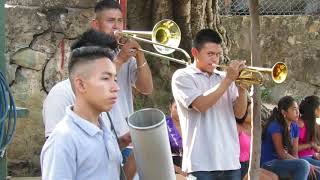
(165, 37)
(254, 75)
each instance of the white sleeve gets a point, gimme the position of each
(184, 88)
(58, 159)
(233, 91)
(54, 107)
(133, 71)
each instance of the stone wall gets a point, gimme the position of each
(294, 40)
(38, 39)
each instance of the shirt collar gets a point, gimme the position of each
(196, 70)
(84, 124)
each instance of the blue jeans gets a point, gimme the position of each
(215, 175)
(297, 169)
(315, 163)
(244, 168)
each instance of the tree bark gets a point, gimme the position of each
(162, 9)
(182, 17)
(217, 25)
(197, 16)
(255, 61)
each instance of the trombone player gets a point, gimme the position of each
(132, 71)
(208, 102)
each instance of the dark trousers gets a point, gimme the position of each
(216, 175)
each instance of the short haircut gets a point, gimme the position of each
(93, 37)
(106, 4)
(206, 36)
(83, 56)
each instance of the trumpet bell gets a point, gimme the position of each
(279, 72)
(254, 75)
(168, 33)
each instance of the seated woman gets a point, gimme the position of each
(308, 149)
(175, 139)
(279, 151)
(244, 131)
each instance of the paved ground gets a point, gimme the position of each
(25, 178)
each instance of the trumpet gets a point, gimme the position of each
(254, 75)
(165, 37)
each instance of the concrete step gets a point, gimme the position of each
(24, 178)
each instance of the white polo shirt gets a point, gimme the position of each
(61, 96)
(54, 105)
(210, 139)
(79, 150)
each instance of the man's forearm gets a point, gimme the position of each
(209, 98)
(144, 77)
(240, 106)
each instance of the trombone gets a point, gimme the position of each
(254, 75)
(165, 37)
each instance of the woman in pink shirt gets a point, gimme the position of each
(244, 132)
(310, 112)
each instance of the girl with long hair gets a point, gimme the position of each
(308, 149)
(244, 132)
(279, 152)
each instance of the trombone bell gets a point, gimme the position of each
(165, 38)
(166, 32)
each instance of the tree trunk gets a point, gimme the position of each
(182, 18)
(255, 61)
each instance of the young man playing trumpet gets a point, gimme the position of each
(208, 102)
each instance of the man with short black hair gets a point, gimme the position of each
(61, 94)
(208, 102)
(82, 146)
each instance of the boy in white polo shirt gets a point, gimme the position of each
(82, 146)
(208, 101)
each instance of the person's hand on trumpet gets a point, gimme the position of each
(128, 48)
(234, 68)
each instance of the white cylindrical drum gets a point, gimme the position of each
(150, 140)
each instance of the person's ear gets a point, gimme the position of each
(317, 112)
(284, 113)
(80, 84)
(94, 24)
(194, 52)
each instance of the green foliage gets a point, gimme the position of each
(138, 103)
(265, 94)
